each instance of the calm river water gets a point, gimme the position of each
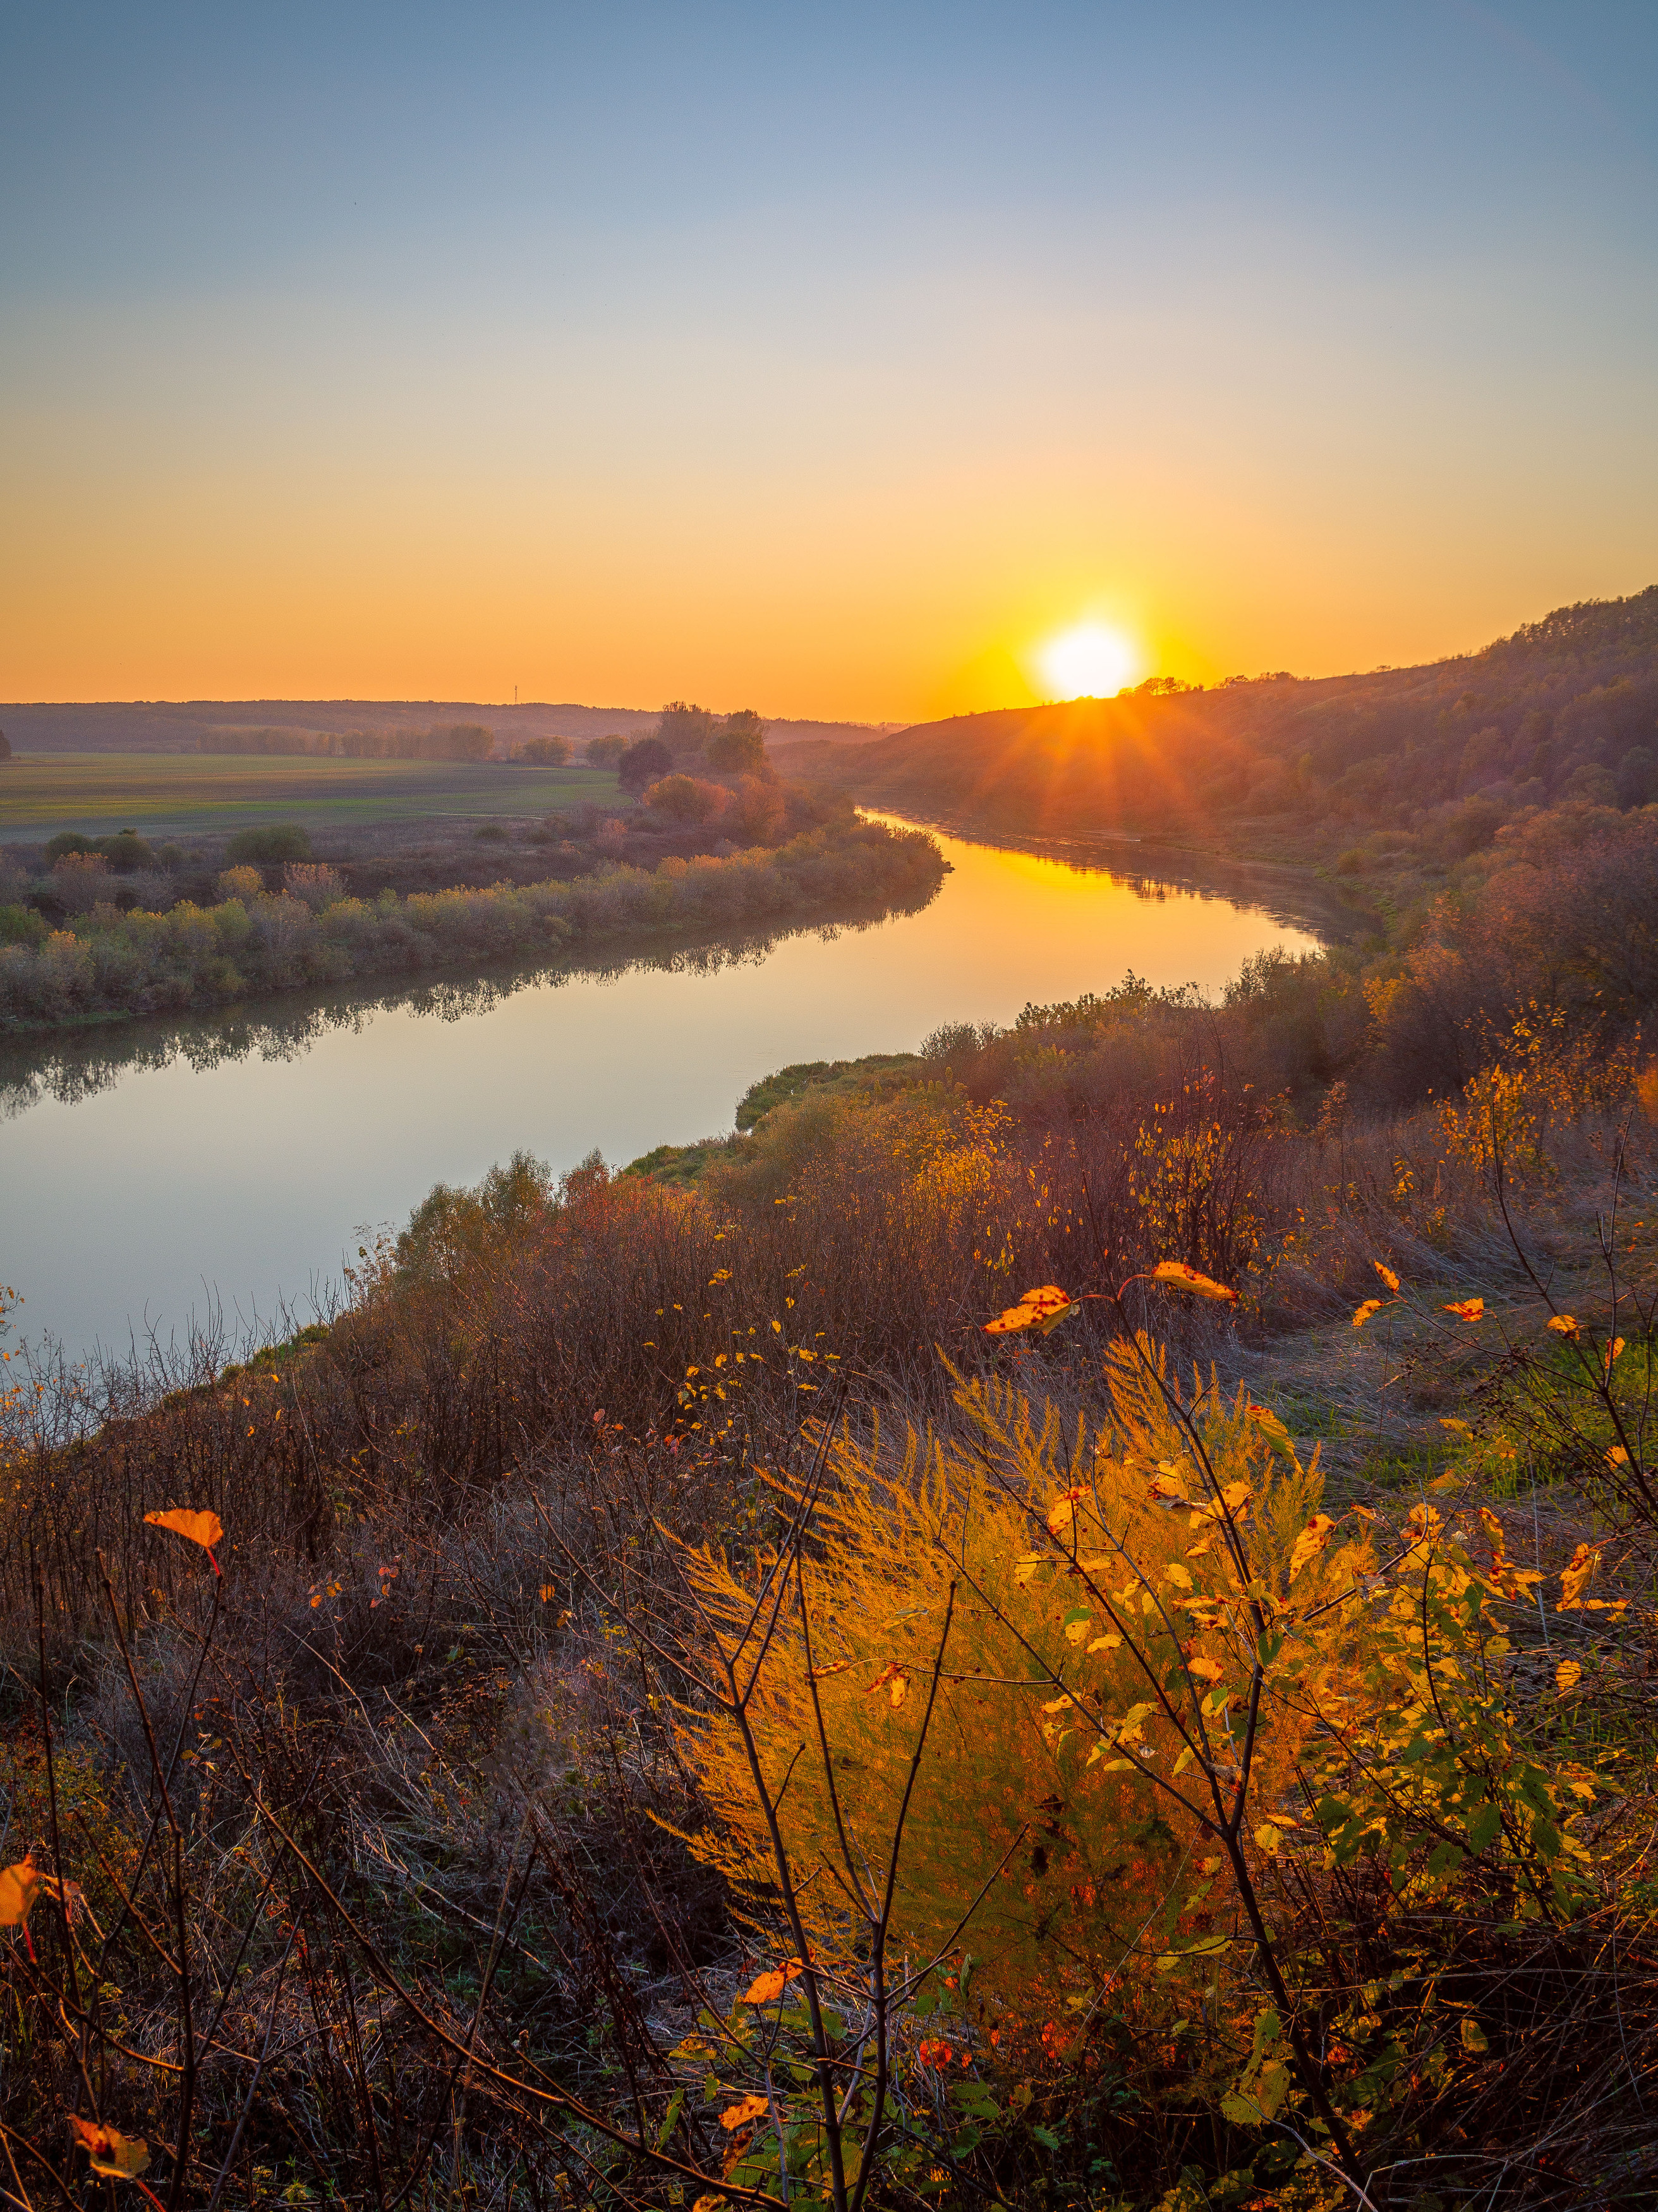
(155, 1173)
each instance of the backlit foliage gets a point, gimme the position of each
(1089, 1874)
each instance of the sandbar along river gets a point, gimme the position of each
(156, 1172)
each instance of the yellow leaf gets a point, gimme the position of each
(1386, 1275)
(1076, 1630)
(203, 1529)
(834, 1666)
(20, 1885)
(1272, 1428)
(1179, 1575)
(1044, 1310)
(1563, 1325)
(1612, 1351)
(1268, 1838)
(769, 1986)
(709, 2203)
(119, 2157)
(1182, 1277)
(1165, 1483)
(895, 1678)
(1206, 1670)
(1575, 1577)
(1567, 1675)
(1457, 1428)
(1310, 1543)
(1059, 1704)
(1362, 1314)
(1104, 1643)
(1474, 2039)
(1467, 1309)
(1063, 1511)
(738, 2115)
(1024, 1567)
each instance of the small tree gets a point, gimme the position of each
(739, 746)
(642, 764)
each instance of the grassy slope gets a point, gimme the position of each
(183, 793)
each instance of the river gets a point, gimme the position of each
(156, 1173)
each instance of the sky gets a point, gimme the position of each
(826, 359)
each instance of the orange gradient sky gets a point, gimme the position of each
(826, 362)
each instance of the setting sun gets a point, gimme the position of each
(1089, 661)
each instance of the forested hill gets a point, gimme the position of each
(1436, 757)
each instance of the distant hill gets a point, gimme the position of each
(1436, 757)
(160, 725)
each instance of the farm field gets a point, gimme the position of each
(207, 793)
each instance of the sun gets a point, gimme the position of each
(1088, 661)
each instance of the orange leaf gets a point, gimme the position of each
(1567, 1675)
(1165, 1483)
(738, 2115)
(1362, 1313)
(203, 1529)
(1310, 1543)
(896, 1680)
(1467, 1309)
(122, 2158)
(769, 1986)
(1206, 1670)
(20, 1885)
(1177, 1271)
(1563, 1325)
(1387, 1276)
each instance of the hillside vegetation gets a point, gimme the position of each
(1070, 1620)
(1389, 773)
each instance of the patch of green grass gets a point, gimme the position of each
(207, 794)
(875, 1071)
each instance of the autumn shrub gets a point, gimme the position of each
(1027, 1837)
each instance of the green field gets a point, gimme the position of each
(179, 794)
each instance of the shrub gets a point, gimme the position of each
(544, 752)
(244, 884)
(19, 924)
(125, 851)
(606, 752)
(312, 881)
(685, 799)
(274, 841)
(80, 880)
(68, 841)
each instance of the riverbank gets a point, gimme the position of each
(109, 965)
